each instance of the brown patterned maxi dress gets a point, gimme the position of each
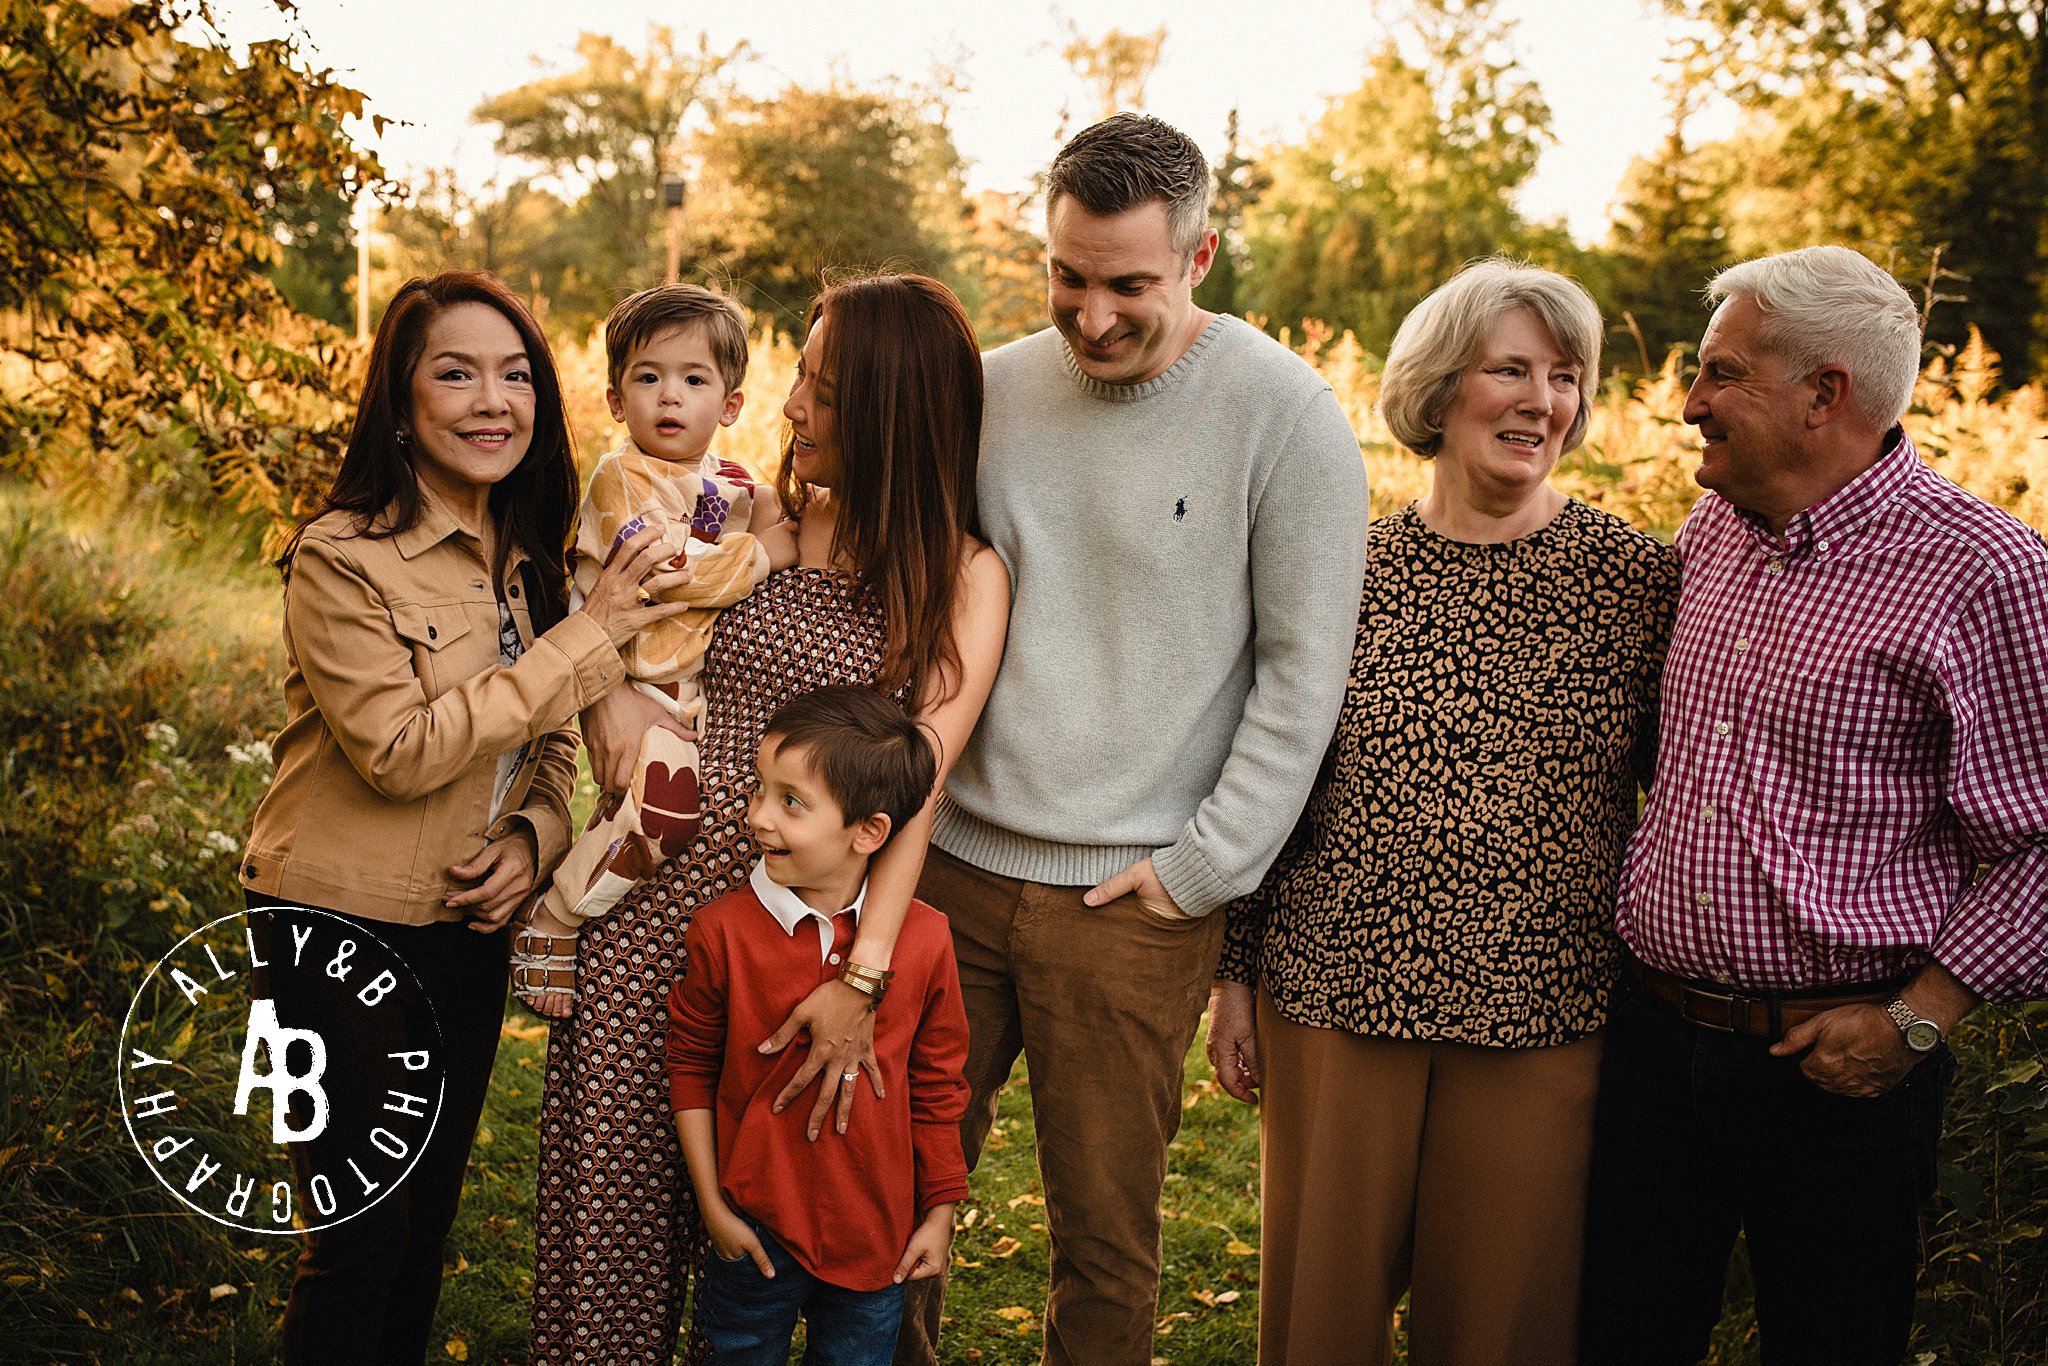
(615, 1222)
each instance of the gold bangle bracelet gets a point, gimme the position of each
(866, 986)
(871, 974)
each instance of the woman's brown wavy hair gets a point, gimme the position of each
(533, 507)
(905, 371)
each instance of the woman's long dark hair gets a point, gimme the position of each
(906, 374)
(534, 507)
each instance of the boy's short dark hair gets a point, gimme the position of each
(871, 757)
(1128, 160)
(642, 317)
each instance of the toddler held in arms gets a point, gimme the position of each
(830, 1228)
(676, 356)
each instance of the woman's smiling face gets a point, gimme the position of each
(472, 404)
(814, 444)
(1514, 405)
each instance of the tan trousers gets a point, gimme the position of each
(1103, 1002)
(1452, 1172)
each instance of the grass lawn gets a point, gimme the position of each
(1208, 1303)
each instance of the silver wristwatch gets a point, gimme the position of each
(1922, 1034)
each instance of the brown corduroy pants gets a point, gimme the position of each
(1452, 1172)
(1103, 1002)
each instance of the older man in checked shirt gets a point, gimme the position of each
(1844, 849)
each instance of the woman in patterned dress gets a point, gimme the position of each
(893, 589)
(1418, 988)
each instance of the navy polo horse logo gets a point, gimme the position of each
(1180, 509)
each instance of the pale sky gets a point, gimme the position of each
(429, 62)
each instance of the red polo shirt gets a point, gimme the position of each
(844, 1206)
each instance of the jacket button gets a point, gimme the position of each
(432, 634)
(249, 870)
(515, 590)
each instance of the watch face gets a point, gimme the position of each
(1922, 1036)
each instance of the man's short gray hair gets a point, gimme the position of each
(1833, 306)
(1128, 160)
(1446, 332)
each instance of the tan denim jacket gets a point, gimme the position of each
(396, 710)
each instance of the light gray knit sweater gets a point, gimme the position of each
(1185, 561)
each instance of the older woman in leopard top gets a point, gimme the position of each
(1417, 990)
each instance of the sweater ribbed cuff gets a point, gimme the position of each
(1189, 879)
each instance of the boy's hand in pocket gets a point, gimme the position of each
(733, 1238)
(929, 1245)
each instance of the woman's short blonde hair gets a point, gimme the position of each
(1446, 332)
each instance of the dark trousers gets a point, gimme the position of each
(366, 1288)
(1700, 1134)
(749, 1319)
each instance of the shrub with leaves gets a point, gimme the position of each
(141, 179)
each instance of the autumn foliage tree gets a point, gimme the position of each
(1400, 181)
(821, 178)
(612, 126)
(142, 177)
(1903, 127)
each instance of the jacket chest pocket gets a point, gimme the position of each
(443, 650)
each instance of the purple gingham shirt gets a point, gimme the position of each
(1852, 774)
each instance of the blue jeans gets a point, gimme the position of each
(749, 1318)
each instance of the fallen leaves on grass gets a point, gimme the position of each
(1004, 1246)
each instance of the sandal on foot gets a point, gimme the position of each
(543, 965)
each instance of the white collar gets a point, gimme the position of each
(790, 910)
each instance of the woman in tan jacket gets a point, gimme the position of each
(423, 781)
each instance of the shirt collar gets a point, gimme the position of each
(790, 910)
(434, 525)
(1824, 525)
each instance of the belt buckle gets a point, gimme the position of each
(1734, 1004)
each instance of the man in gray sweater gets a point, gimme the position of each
(1181, 506)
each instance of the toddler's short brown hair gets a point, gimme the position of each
(642, 317)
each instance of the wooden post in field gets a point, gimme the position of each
(672, 201)
(365, 216)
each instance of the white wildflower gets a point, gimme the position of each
(255, 752)
(162, 734)
(221, 842)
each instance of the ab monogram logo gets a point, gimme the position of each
(233, 1107)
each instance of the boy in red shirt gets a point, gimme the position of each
(831, 1228)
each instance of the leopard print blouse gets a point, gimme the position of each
(1453, 875)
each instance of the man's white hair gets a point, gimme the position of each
(1833, 306)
